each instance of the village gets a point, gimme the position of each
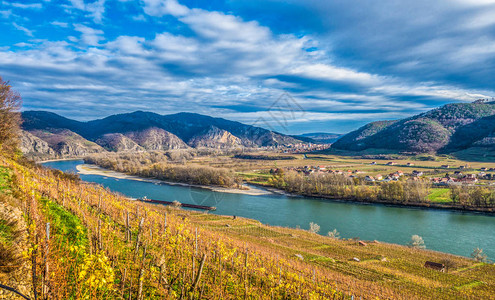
(462, 175)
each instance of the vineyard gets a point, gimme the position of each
(81, 241)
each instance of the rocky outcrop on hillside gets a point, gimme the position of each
(66, 143)
(118, 142)
(33, 146)
(215, 137)
(156, 139)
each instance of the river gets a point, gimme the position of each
(442, 230)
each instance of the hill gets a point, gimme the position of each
(141, 130)
(450, 128)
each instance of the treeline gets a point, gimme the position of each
(156, 165)
(343, 187)
(469, 196)
(397, 192)
(263, 157)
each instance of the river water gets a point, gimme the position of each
(442, 230)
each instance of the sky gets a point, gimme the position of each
(291, 66)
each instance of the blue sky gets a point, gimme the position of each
(334, 65)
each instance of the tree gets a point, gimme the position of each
(448, 263)
(334, 234)
(10, 119)
(417, 242)
(478, 255)
(314, 228)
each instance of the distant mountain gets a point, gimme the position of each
(319, 137)
(145, 130)
(450, 128)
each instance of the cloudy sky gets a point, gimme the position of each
(295, 66)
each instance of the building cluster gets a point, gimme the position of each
(395, 176)
(306, 170)
(304, 147)
(460, 178)
(457, 177)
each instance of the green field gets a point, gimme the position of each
(440, 195)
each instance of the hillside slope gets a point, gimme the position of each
(449, 128)
(124, 249)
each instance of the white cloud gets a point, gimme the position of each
(22, 44)
(332, 73)
(139, 18)
(23, 5)
(474, 2)
(24, 29)
(6, 13)
(128, 45)
(159, 8)
(60, 24)
(95, 9)
(89, 35)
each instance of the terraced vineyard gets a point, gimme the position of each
(100, 245)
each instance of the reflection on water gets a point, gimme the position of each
(442, 230)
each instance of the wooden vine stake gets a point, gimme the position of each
(138, 235)
(46, 275)
(198, 277)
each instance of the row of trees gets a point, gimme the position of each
(340, 186)
(155, 165)
(477, 196)
(403, 191)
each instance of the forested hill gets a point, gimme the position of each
(449, 128)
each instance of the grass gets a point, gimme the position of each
(7, 230)
(440, 195)
(66, 227)
(476, 154)
(5, 179)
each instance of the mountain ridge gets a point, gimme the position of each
(139, 130)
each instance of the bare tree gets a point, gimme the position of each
(334, 234)
(417, 242)
(10, 119)
(314, 228)
(478, 255)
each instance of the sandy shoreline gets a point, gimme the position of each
(87, 169)
(56, 159)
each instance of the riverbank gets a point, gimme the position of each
(422, 205)
(87, 169)
(58, 159)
